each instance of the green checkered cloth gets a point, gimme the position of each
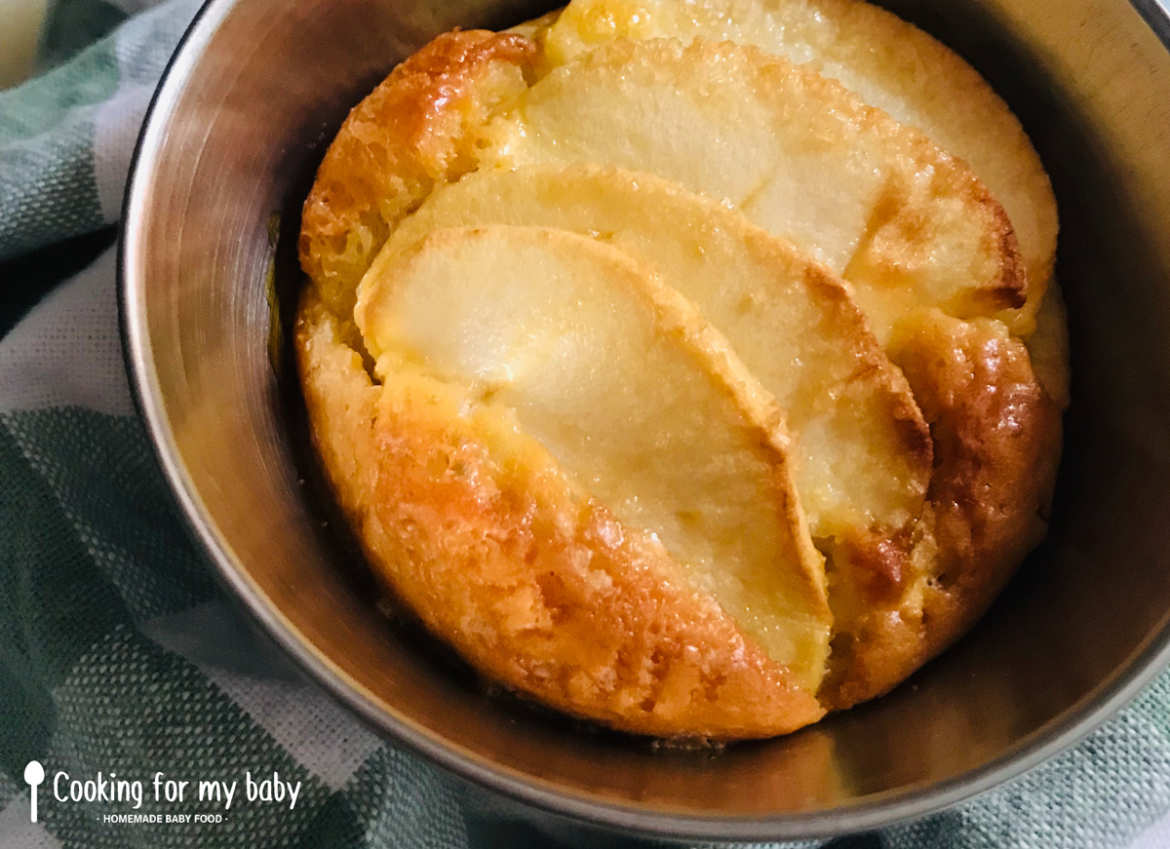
(119, 653)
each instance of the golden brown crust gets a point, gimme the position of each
(997, 439)
(1014, 286)
(534, 584)
(402, 139)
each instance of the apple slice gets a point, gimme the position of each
(632, 392)
(887, 62)
(800, 155)
(863, 452)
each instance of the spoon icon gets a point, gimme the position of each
(34, 774)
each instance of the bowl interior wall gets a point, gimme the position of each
(233, 145)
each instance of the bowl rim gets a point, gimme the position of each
(892, 807)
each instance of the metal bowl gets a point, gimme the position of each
(209, 274)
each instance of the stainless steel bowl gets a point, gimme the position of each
(237, 128)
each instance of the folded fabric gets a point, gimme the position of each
(120, 653)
